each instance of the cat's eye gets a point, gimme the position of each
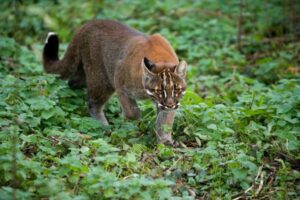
(157, 90)
(178, 87)
(178, 90)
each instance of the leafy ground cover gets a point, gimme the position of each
(238, 124)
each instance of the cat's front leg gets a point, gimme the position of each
(164, 123)
(129, 106)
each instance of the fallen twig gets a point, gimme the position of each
(259, 177)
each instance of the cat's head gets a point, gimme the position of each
(165, 87)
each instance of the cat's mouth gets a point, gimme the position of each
(168, 108)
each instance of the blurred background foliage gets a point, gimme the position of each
(239, 121)
(203, 32)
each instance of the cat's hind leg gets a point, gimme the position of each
(77, 79)
(97, 97)
(99, 91)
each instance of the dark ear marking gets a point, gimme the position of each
(150, 65)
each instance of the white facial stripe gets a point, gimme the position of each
(149, 93)
(167, 83)
(183, 93)
(164, 79)
(165, 94)
(169, 78)
(170, 83)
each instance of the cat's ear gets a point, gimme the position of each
(148, 64)
(181, 69)
(148, 68)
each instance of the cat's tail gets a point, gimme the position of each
(64, 67)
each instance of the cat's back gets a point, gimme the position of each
(109, 29)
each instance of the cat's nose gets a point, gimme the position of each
(170, 103)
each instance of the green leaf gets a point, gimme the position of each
(212, 126)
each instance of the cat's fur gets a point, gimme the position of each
(106, 57)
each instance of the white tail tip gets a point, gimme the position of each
(49, 34)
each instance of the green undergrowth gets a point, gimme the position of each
(238, 124)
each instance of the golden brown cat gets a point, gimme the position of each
(106, 57)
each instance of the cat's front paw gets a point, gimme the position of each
(168, 141)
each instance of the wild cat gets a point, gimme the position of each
(106, 56)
